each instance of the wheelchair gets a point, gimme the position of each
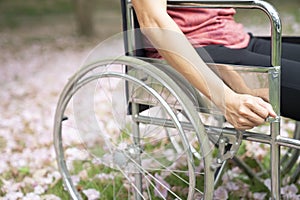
(133, 128)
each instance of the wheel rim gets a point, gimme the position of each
(121, 155)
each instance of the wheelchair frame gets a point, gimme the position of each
(274, 139)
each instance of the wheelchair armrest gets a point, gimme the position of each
(266, 7)
(276, 31)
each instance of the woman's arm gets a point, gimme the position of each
(237, 83)
(242, 111)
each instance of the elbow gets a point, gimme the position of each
(150, 25)
(148, 22)
(148, 16)
(151, 18)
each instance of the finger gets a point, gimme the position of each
(251, 118)
(260, 108)
(245, 126)
(269, 108)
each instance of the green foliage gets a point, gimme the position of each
(58, 190)
(24, 171)
(1, 185)
(34, 7)
(15, 12)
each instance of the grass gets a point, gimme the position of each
(57, 190)
(107, 187)
(89, 171)
(14, 13)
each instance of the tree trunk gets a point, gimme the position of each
(84, 16)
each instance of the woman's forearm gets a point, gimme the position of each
(174, 47)
(183, 57)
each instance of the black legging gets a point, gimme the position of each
(258, 54)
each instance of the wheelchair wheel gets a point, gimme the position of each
(116, 124)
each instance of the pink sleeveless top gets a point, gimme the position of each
(209, 27)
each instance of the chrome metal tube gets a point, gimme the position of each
(288, 142)
(136, 138)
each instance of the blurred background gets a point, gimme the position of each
(71, 24)
(83, 15)
(42, 43)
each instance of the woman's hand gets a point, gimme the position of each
(245, 111)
